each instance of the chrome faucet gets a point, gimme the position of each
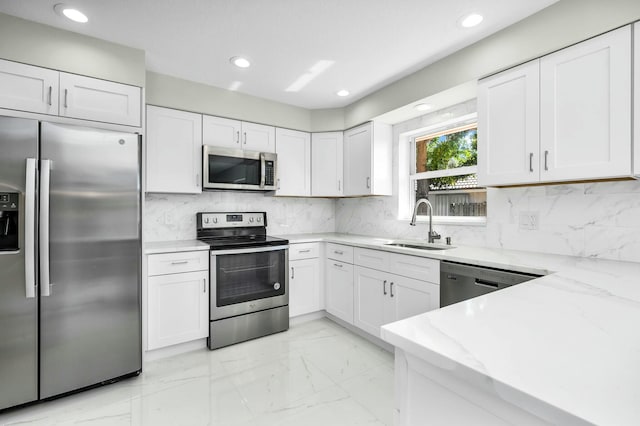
(432, 234)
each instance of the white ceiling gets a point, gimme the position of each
(366, 44)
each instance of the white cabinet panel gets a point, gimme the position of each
(585, 110)
(174, 263)
(419, 268)
(258, 137)
(304, 251)
(178, 308)
(371, 305)
(413, 297)
(340, 252)
(326, 164)
(375, 259)
(339, 290)
(304, 286)
(174, 151)
(28, 88)
(508, 126)
(636, 96)
(294, 163)
(367, 160)
(98, 100)
(222, 132)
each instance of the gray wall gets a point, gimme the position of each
(562, 24)
(49, 47)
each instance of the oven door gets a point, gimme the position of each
(225, 168)
(248, 280)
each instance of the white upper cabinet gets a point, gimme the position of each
(258, 137)
(222, 132)
(367, 160)
(585, 108)
(174, 151)
(326, 164)
(28, 88)
(636, 97)
(294, 163)
(226, 133)
(509, 126)
(99, 100)
(564, 117)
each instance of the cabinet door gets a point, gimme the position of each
(412, 297)
(174, 151)
(326, 164)
(304, 286)
(28, 88)
(371, 294)
(585, 109)
(357, 160)
(178, 308)
(339, 290)
(222, 132)
(258, 137)
(294, 163)
(636, 96)
(99, 100)
(508, 126)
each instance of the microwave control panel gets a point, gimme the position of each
(269, 173)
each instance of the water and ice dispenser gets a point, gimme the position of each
(9, 213)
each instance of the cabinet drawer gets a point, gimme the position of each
(374, 259)
(173, 263)
(419, 268)
(303, 251)
(340, 252)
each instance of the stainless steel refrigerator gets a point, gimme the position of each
(70, 252)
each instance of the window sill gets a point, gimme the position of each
(451, 220)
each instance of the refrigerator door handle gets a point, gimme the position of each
(30, 229)
(45, 172)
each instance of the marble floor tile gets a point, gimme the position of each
(316, 373)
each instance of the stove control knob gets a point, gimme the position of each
(206, 220)
(259, 219)
(251, 220)
(215, 220)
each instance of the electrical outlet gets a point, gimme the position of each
(529, 220)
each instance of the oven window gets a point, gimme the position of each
(249, 276)
(242, 171)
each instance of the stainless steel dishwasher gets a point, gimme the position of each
(460, 282)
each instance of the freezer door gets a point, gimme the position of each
(18, 306)
(90, 286)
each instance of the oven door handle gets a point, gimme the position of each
(248, 250)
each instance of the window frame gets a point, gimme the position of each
(467, 121)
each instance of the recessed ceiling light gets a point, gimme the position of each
(471, 20)
(70, 13)
(342, 93)
(423, 107)
(240, 62)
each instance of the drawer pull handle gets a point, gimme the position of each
(384, 287)
(204, 285)
(66, 92)
(337, 265)
(338, 252)
(305, 251)
(391, 287)
(181, 262)
(50, 90)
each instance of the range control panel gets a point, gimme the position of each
(231, 220)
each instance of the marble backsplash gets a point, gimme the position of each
(173, 216)
(599, 220)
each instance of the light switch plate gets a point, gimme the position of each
(529, 220)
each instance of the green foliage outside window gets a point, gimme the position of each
(451, 151)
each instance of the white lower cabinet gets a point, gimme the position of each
(177, 303)
(339, 289)
(305, 290)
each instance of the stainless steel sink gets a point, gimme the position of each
(420, 246)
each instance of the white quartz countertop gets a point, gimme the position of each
(569, 340)
(174, 246)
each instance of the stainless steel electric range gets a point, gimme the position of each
(248, 277)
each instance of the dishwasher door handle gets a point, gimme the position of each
(488, 284)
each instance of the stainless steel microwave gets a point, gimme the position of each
(228, 168)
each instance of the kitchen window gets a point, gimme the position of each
(443, 169)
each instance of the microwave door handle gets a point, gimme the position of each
(262, 170)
